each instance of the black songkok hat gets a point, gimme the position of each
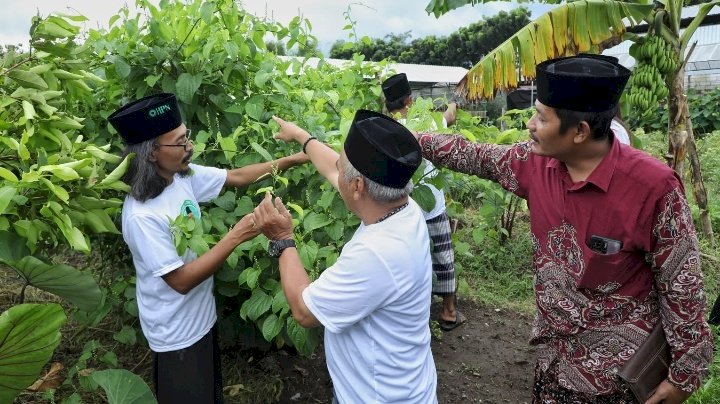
(146, 118)
(396, 87)
(382, 149)
(583, 83)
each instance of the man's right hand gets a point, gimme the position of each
(289, 131)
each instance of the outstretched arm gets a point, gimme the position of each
(245, 176)
(323, 157)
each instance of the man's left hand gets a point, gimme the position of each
(666, 393)
(274, 221)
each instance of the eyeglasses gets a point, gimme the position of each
(183, 145)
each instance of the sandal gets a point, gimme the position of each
(451, 325)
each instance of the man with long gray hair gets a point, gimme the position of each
(375, 300)
(174, 292)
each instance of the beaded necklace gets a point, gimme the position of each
(392, 212)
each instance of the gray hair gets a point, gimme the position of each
(378, 192)
(142, 175)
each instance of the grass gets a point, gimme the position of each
(496, 274)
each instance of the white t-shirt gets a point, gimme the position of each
(170, 320)
(619, 132)
(375, 306)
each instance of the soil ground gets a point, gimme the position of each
(486, 360)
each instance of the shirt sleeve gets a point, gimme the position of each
(207, 182)
(151, 243)
(508, 165)
(355, 286)
(676, 269)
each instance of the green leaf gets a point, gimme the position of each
(28, 110)
(123, 387)
(6, 195)
(250, 277)
(28, 79)
(118, 172)
(7, 175)
(261, 150)
(424, 197)
(257, 305)
(271, 327)
(100, 222)
(29, 333)
(314, 221)
(255, 107)
(279, 302)
(121, 67)
(62, 172)
(126, 335)
(79, 288)
(187, 85)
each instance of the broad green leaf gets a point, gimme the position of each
(255, 107)
(100, 222)
(424, 197)
(28, 110)
(63, 172)
(261, 150)
(123, 387)
(126, 335)
(257, 305)
(59, 191)
(271, 327)
(29, 334)
(12, 248)
(279, 302)
(121, 67)
(187, 85)
(6, 195)
(28, 79)
(79, 288)
(102, 154)
(313, 221)
(118, 172)
(7, 175)
(250, 277)
(228, 145)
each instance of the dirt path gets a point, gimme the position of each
(487, 360)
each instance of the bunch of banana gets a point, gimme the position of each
(655, 60)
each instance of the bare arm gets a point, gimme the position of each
(188, 276)
(323, 157)
(244, 176)
(276, 223)
(450, 114)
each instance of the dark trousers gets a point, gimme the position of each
(715, 313)
(191, 375)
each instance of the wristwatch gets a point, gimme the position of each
(276, 247)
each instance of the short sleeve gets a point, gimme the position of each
(355, 286)
(207, 182)
(151, 243)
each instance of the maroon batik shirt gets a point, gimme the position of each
(594, 310)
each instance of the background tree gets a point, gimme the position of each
(461, 48)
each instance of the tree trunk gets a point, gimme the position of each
(681, 142)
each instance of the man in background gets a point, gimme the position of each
(398, 99)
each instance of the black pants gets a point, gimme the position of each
(715, 313)
(191, 375)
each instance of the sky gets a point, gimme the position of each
(374, 18)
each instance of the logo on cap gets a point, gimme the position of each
(159, 110)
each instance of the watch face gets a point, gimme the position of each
(273, 249)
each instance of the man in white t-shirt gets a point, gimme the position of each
(398, 99)
(174, 291)
(375, 300)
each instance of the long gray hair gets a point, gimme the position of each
(142, 176)
(378, 192)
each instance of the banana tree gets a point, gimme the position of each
(591, 26)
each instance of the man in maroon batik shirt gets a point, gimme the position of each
(614, 246)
